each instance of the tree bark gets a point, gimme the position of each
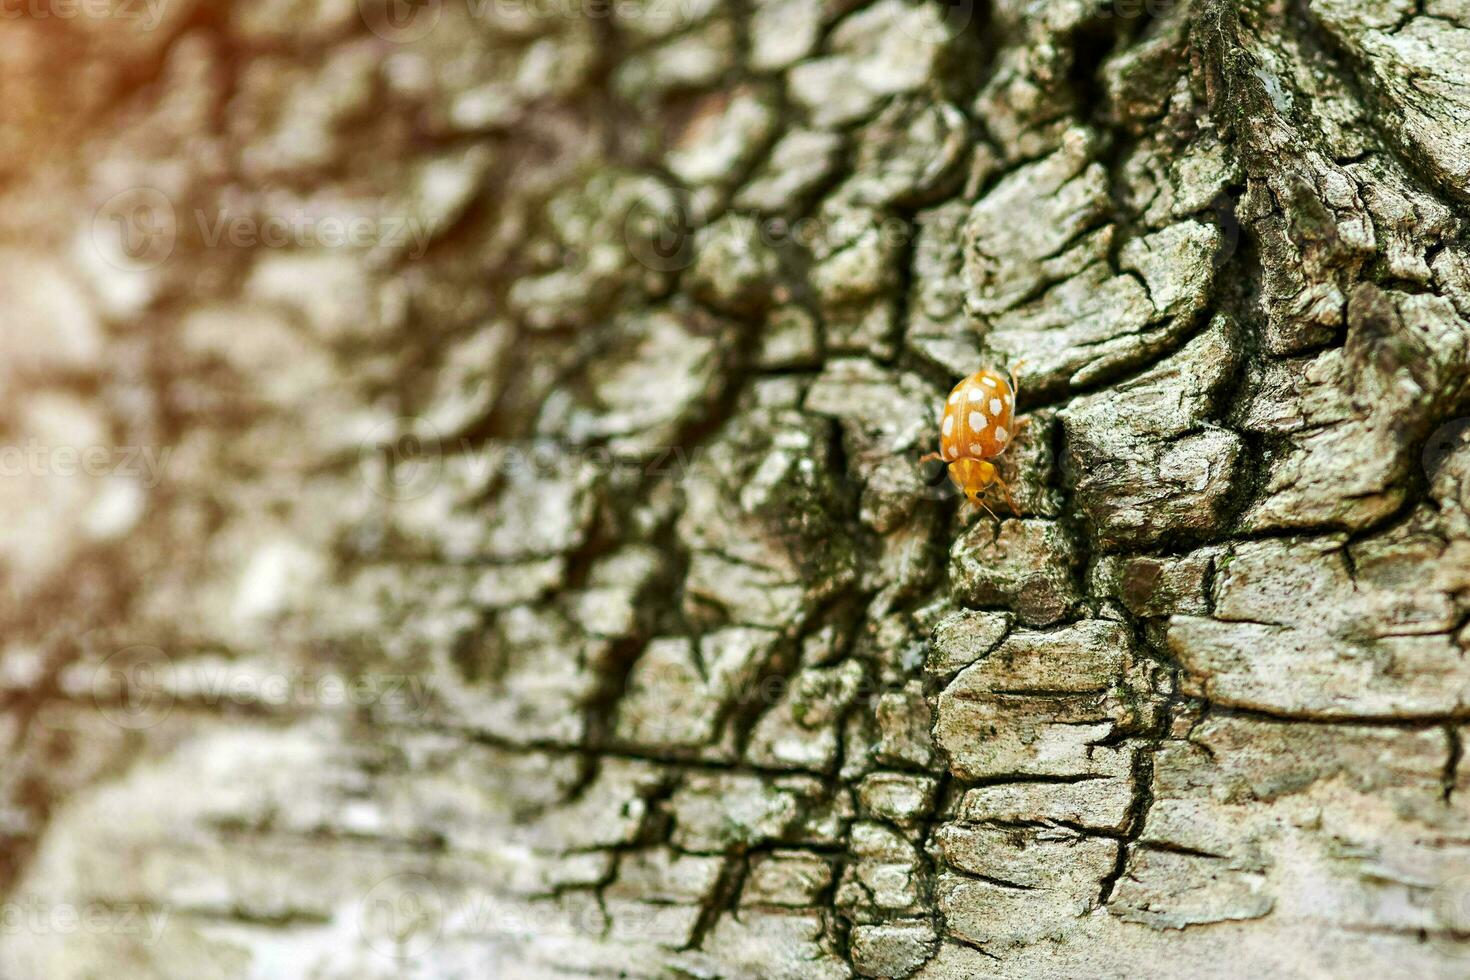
(466, 520)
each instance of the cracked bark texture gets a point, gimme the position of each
(633, 641)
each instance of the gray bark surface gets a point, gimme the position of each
(541, 581)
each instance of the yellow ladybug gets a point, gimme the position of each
(976, 426)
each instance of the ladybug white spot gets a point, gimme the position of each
(975, 448)
(951, 453)
(1001, 433)
(995, 406)
(977, 421)
(988, 382)
(954, 396)
(948, 424)
(976, 394)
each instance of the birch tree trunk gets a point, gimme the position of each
(464, 520)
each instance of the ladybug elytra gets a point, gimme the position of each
(976, 427)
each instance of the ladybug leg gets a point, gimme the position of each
(938, 475)
(1015, 386)
(981, 504)
(1022, 422)
(1010, 501)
